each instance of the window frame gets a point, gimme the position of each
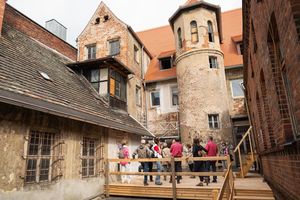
(179, 38)
(38, 157)
(213, 121)
(99, 81)
(110, 42)
(194, 31)
(122, 82)
(231, 87)
(165, 58)
(151, 102)
(89, 157)
(216, 64)
(210, 31)
(172, 89)
(89, 54)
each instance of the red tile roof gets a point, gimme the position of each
(161, 40)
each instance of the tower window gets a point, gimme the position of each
(194, 32)
(179, 38)
(210, 31)
(165, 63)
(213, 62)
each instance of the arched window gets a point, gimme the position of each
(194, 31)
(210, 32)
(179, 38)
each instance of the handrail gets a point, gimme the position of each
(242, 140)
(228, 183)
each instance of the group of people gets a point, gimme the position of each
(156, 149)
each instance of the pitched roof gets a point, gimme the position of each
(66, 94)
(161, 39)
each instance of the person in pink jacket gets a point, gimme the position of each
(124, 154)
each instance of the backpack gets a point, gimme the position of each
(121, 153)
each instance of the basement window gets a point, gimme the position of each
(213, 121)
(39, 157)
(165, 63)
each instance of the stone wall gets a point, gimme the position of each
(273, 90)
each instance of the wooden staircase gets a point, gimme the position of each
(247, 162)
(251, 194)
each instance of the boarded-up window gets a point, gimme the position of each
(112, 87)
(194, 31)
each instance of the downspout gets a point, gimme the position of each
(144, 87)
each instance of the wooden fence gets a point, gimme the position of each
(228, 174)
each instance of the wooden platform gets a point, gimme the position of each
(187, 189)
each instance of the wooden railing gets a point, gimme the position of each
(227, 189)
(173, 174)
(238, 149)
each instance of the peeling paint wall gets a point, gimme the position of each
(15, 125)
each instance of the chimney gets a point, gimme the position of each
(2, 8)
(56, 28)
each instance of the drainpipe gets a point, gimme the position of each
(144, 86)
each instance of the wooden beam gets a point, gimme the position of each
(169, 173)
(173, 178)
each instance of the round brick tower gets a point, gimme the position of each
(203, 98)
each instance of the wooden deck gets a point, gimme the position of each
(187, 189)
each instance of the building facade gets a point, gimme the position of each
(271, 58)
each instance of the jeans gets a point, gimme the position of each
(146, 169)
(199, 166)
(178, 168)
(211, 164)
(159, 169)
(150, 165)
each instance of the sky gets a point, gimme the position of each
(75, 14)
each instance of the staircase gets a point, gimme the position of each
(248, 194)
(247, 163)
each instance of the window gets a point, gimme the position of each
(213, 62)
(179, 38)
(97, 20)
(88, 158)
(39, 157)
(213, 121)
(138, 95)
(165, 63)
(155, 98)
(210, 32)
(240, 48)
(236, 88)
(117, 85)
(194, 32)
(91, 50)
(114, 47)
(99, 79)
(106, 18)
(174, 91)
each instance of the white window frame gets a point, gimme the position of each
(231, 88)
(213, 122)
(155, 106)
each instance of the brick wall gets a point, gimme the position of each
(2, 8)
(16, 19)
(272, 82)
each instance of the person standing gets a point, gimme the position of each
(143, 152)
(176, 152)
(166, 154)
(212, 150)
(224, 151)
(199, 166)
(189, 154)
(157, 154)
(124, 154)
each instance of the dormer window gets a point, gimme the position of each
(165, 63)
(210, 32)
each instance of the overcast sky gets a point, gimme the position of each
(75, 14)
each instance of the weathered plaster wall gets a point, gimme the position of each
(15, 125)
(160, 117)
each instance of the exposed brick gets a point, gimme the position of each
(2, 8)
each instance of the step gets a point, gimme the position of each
(253, 198)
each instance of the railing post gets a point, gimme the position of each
(173, 178)
(241, 163)
(250, 142)
(107, 178)
(215, 194)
